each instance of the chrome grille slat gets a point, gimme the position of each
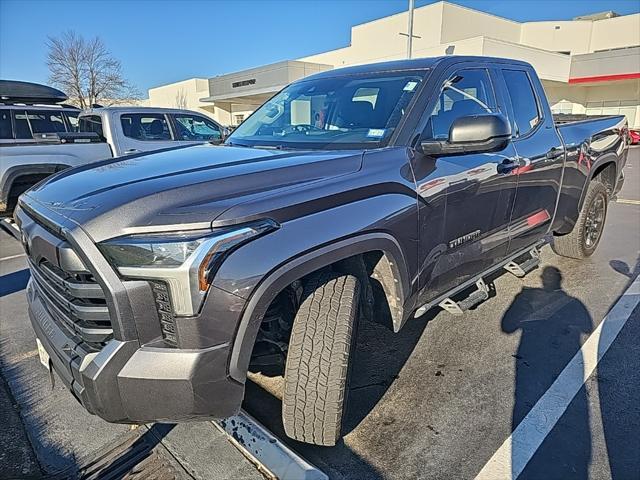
(64, 283)
(75, 289)
(82, 312)
(75, 300)
(90, 335)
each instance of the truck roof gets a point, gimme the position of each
(136, 109)
(413, 64)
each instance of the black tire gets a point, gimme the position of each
(587, 232)
(318, 364)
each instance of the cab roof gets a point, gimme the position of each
(413, 64)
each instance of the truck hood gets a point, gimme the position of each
(181, 188)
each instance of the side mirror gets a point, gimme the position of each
(472, 134)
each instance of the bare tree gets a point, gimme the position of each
(181, 99)
(86, 71)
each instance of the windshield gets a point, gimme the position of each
(326, 113)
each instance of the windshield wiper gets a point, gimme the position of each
(269, 147)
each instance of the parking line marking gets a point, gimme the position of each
(628, 201)
(11, 257)
(511, 458)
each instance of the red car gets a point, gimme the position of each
(635, 136)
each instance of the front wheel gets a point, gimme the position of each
(587, 232)
(318, 359)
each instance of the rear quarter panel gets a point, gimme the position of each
(590, 145)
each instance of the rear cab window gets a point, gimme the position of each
(525, 111)
(91, 123)
(145, 126)
(21, 128)
(72, 121)
(46, 121)
(6, 131)
(22, 123)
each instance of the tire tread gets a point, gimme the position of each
(318, 359)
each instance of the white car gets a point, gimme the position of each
(37, 140)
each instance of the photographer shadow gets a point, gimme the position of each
(552, 325)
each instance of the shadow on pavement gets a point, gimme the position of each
(13, 282)
(34, 426)
(619, 391)
(552, 325)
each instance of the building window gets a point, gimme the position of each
(562, 107)
(239, 119)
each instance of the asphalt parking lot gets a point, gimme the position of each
(441, 399)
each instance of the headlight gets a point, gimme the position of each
(185, 261)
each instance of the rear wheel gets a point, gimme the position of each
(318, 359)
(587, 232)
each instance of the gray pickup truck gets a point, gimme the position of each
(160, 280)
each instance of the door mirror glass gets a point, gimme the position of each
(473, 133)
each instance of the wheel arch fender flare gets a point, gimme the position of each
(12, 173)
(607, 158)
(390, 271)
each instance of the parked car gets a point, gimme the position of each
(158, 281)
(634, 136)
(38, 139)
(130, 130)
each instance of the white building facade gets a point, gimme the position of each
(587, 65)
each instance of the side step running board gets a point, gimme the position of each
(474, 298)
(521, 269)
(481, 292)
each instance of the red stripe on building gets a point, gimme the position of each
(605, 78)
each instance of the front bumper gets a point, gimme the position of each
(133, 377)
(127, 383)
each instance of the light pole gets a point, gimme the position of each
(410, 36)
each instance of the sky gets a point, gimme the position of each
(160, 42)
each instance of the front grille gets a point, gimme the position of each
(75, 300)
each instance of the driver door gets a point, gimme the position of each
(473, 191)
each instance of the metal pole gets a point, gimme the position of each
(410, 36)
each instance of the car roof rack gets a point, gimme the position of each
(27, 93)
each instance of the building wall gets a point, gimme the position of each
(583, 36)
(459, 23)
(187, 94)
(618, 32)
(366, 45)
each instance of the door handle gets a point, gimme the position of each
(508, 165)
(554, 153)
(132, 150)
